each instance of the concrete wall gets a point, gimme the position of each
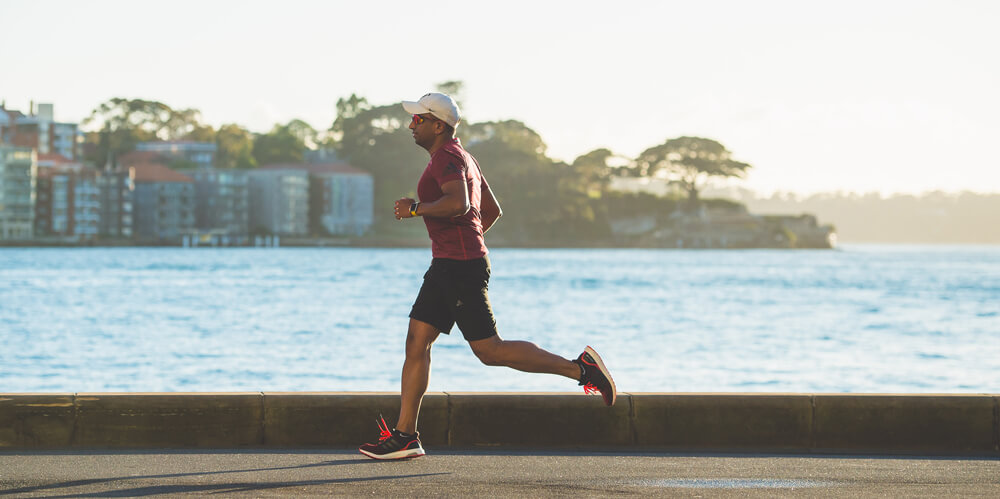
(922, 424)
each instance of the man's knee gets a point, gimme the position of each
(419, 338)
(415, 345)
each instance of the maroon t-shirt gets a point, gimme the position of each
(461, 237)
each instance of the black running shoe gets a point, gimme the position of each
(596, 377)
(393, 444)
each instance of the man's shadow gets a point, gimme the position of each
(217, 487)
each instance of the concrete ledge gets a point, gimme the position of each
(538, 420)
(724, 422)
(925, 424)
(36, 420)
(960, 423)
(344, 419)
(168, 420)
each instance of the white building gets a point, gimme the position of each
(343, 199)
(279, 201)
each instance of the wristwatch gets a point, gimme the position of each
(413, 208)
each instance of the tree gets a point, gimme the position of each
(185, 124)
(593, 171)
(201, 133)
(378, 140)
(455, 89)
(235, 147)
(304, 132)
(542, 199)
(690, 162)
(512, 133)
(347, 108)
(123, 123)
(283, 144)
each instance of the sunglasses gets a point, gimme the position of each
(419, 120)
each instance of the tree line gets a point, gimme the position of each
(929, 218)
(545, 200)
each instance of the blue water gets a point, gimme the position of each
(858, 319)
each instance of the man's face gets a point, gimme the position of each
(424, 127)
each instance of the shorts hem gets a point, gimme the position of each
(426, 321)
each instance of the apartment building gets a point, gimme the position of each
(67, 202)
(40, 131)
(164, 206)
(222, 201)
(341, 199)
(18, 174)
(279, 201)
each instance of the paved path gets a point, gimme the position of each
(252, 473)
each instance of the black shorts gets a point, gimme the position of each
(455, 291)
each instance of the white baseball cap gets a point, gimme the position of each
(440, 105)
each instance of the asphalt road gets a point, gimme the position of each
(252, 473)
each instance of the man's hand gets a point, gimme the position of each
(402, 208)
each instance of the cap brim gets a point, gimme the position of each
(414, 107)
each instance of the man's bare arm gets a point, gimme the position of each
(454, 202)
(489, 208)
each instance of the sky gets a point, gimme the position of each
(854, 96)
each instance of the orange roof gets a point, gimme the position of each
(136, 157)
(55, 158)
(155, 172)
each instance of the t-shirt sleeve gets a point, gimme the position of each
(446, 167)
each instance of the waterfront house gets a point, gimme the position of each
(221, 201)
(279, 201)
(18, 174)
(341, 198)
(164, 204)
(67, 199)
(116, 191)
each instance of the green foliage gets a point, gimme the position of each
(347, 108)
(234, 147)
(123, 123)
(724, 204)
(376, 139)
(689, 161)
(592, 172)
(511, 134)
(283, 144)
(455, 89)
(524, 180)
(303, 131)
(201, 133)
(544, 201)
(632, 204)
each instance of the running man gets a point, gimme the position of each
(458, 208)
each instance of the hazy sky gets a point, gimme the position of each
(893, 96)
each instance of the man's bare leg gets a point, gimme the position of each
(523, 356)
(416, 373)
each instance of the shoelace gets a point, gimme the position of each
(588, 387)
(383, 428)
